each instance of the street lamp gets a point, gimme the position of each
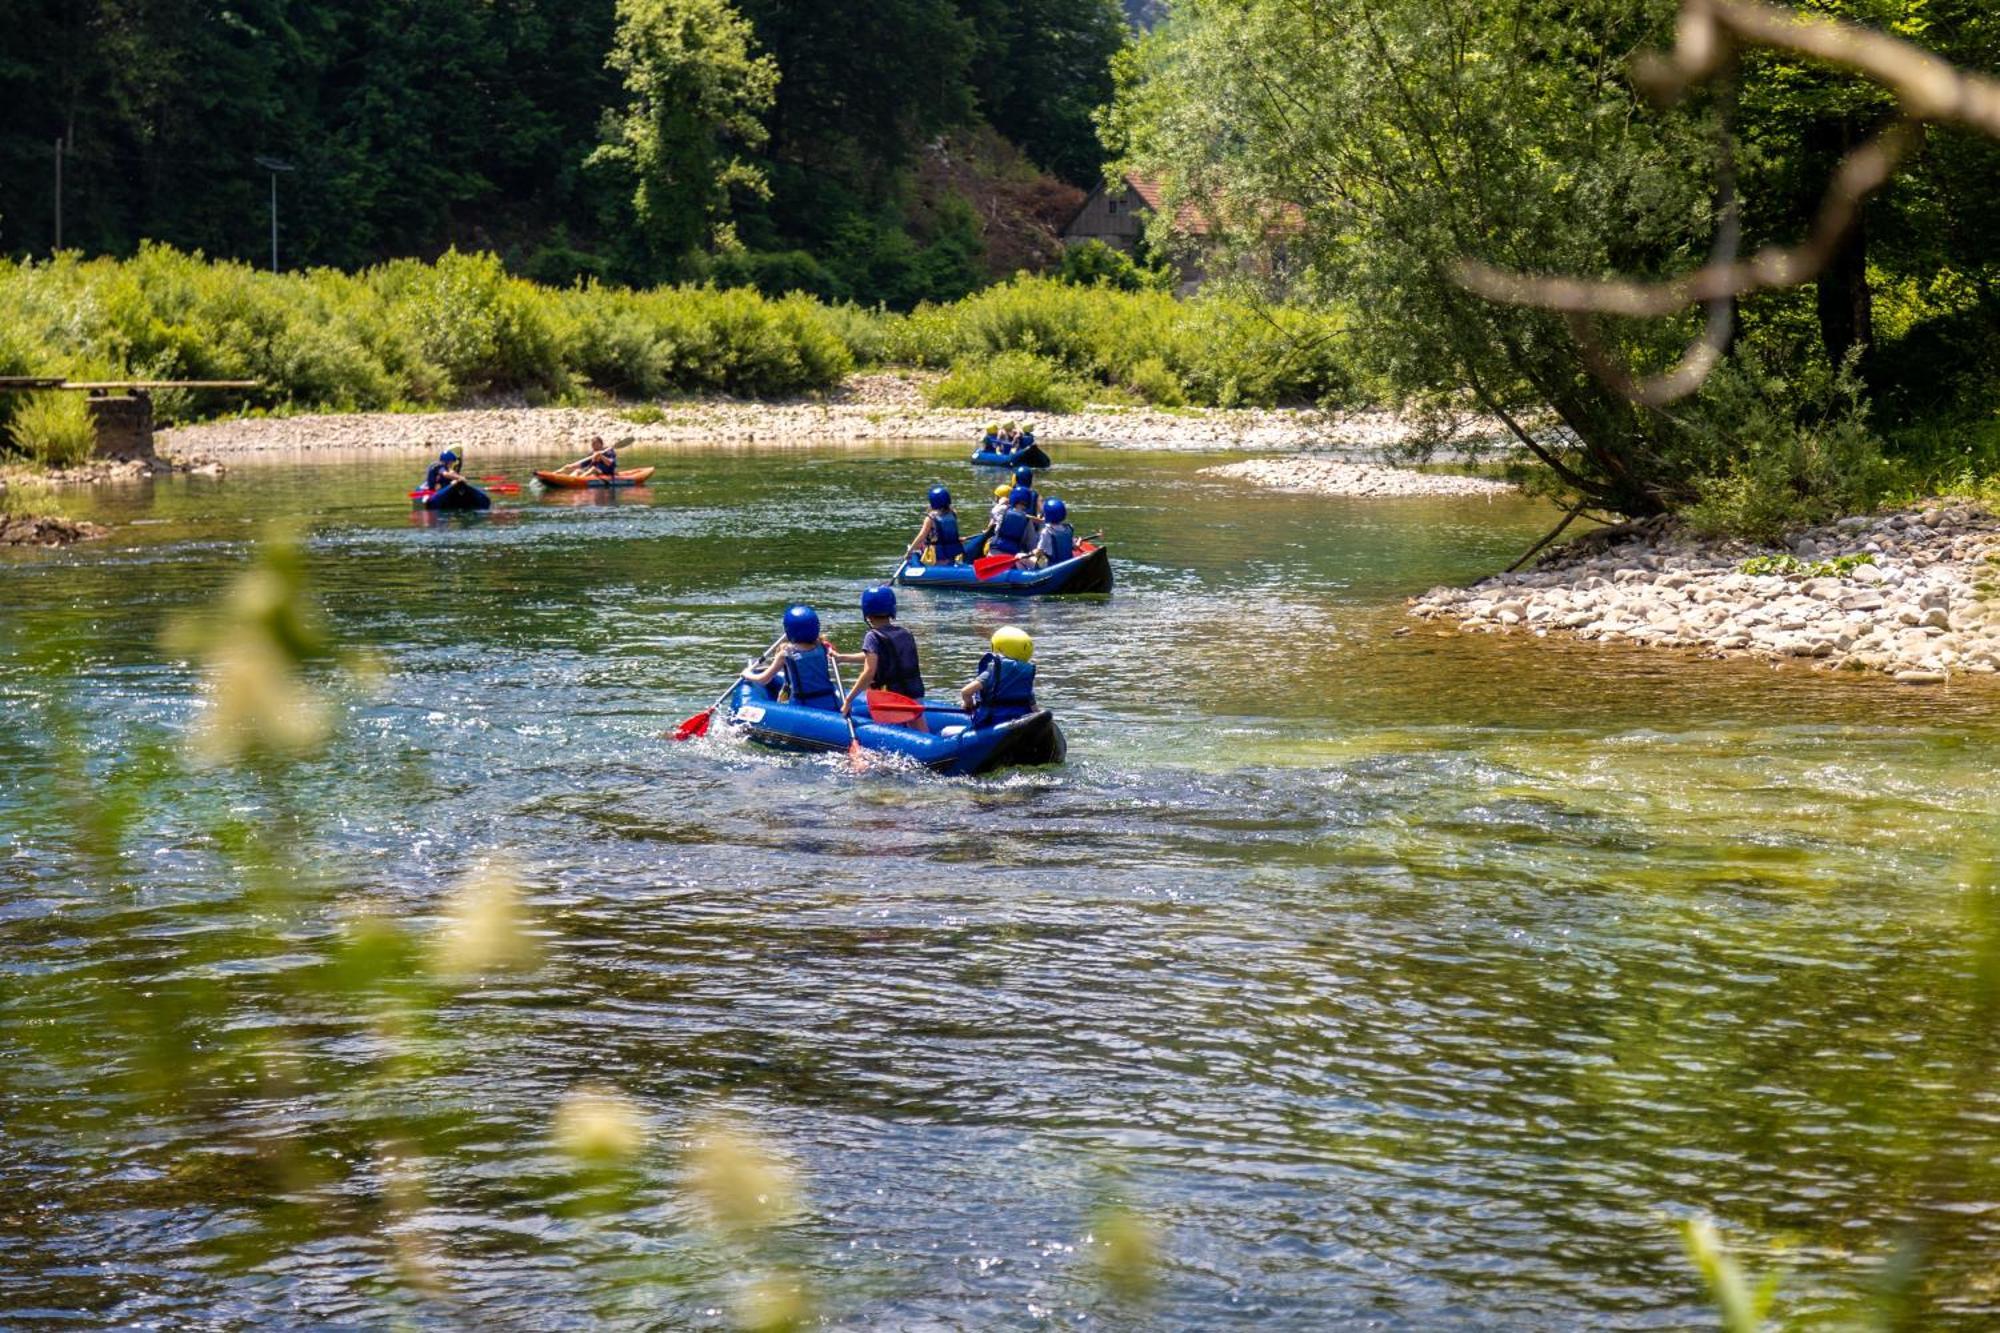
(274, 166)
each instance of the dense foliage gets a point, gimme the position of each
(574, 137)
(1410, 134)
(408, 334)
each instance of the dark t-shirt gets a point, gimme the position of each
(895, 650)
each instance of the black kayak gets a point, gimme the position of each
(459, 495)
(1032, 456)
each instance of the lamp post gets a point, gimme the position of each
(274, 166)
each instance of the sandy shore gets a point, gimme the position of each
(870, 408)
(1910, 594)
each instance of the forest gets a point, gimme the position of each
(838, 148)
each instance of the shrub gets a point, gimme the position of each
(1153, 381)
(1017, 380)
(1095, 264)
(54, 429)
(1782, 451)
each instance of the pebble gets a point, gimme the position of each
(1316, 474)
(1925, 610)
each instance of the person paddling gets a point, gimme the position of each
(940, 532)
(444, 473)
(1004, 687)
(1057, 541)
(602, 460)
(804, 659)
(888, 655)
(991, 443)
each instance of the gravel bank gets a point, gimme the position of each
(870, 407)
(1317, 474)
(1915, 595)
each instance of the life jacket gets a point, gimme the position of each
(1061, 538)
(1011, 536)
(944, 535)
(991, 444)
(433, 480)
(896, 661)
(607, 466)
(1006, 690)
(1027, 441)
(810, 679)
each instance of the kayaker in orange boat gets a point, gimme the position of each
(602, 461)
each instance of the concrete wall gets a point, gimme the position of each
(124, 425)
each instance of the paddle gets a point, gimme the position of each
(855, 759)
(697, 726)
(892, 709)
(989, 566)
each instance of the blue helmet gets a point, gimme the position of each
(940, 498)
(1024, 476)
(1020, 495)
(879, 600)
(802, 624)
(448, 456)
(1055, 511)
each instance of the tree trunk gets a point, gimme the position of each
(1846, 303)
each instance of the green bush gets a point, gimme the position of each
(1019, 380)
(54, 429)
(1783, 450)
(1095, 264)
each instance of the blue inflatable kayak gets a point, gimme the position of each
(458, 495)
(950, 746)
(1088, 571)
(1032, 456)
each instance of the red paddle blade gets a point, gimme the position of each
(986, 566)
(694, 726)
(506, 488)
(892, 709)
(493, 479)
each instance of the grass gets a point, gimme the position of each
(54, 430)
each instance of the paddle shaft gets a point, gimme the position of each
(724, 697)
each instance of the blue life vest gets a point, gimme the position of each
(944, 532)
(1062, 542)
(1027, 441)
(434, 478)
(1006, 690)
(609, 466)
(1011, 536)
(895, 650)
(810, 679)
(991, 444)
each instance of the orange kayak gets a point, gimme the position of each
(566, 481)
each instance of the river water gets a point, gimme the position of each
(1388, 978)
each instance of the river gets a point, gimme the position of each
(1390, 978)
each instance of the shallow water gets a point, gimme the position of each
(1402, 981)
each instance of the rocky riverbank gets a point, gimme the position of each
(1914, 594)
(888, 406)
(1318, 474)
(44, 530)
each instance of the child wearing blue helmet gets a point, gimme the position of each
(888, 655)
(443, 472)
(939, 539)
(805, 659)
(1014, 531)
(1057, 541)
(1024, 480)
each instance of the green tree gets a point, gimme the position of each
(696, 89)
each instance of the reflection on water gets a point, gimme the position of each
(1407, 978)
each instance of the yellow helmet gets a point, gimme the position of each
(993, 429)
(1002, 492)
(1012, 426)
(1013, 641)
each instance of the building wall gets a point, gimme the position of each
(1115, 221)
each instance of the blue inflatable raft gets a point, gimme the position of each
(950, 746)
(459, 495)
(1032, 456)
(1088, 571)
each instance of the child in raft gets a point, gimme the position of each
(804, 659)
(1016, 530)
(938, 540)
(444, 473)
(888, 655)
(1057, 541)
(1004, 687)
(991, 442)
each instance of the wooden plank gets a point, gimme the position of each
(29, 382)
(159, 384)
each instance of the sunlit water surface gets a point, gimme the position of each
(1396, 979)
